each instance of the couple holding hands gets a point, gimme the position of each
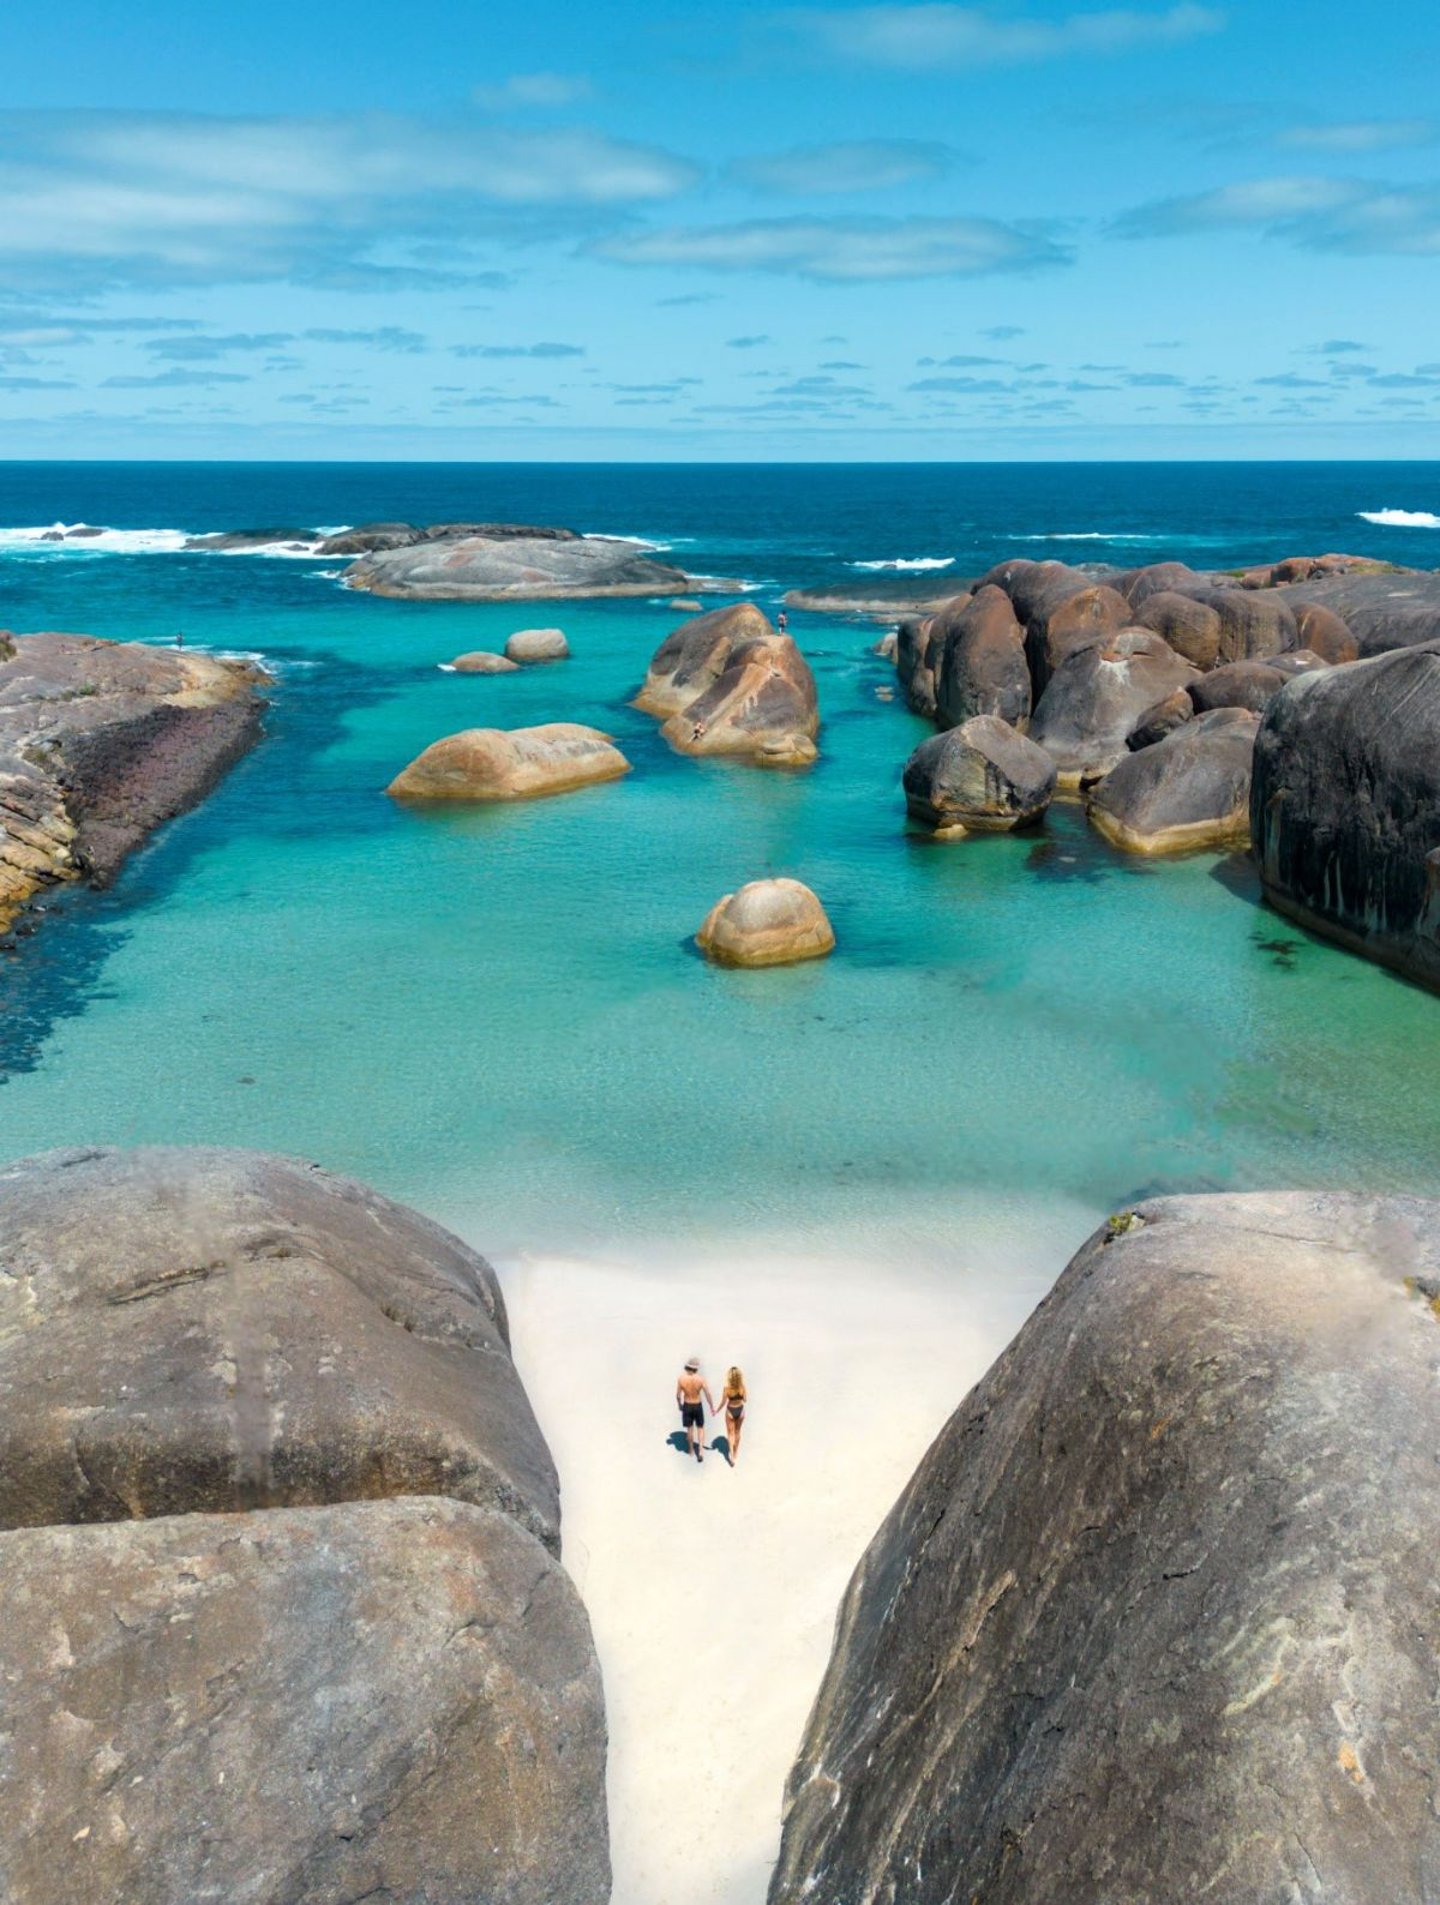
(692, 1392)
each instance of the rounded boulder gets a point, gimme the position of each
(481, 662)
(510, 764)
(766, 923)
(537, 644)
(980, 777)
(1189, 791)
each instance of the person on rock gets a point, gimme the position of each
(692, 1392)
(732, 1400)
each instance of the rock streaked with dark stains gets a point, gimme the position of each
(1238, 684)
(915, 648)
(101, 743)
(506, 567)
(1254, 624)
(1382, 612)
(979, 661)
(1097, 695)
(1173, 712)
(390, 1700)
(184, 1331)
(1071, 619)
(1155, 1619)
(1189, 791)
(733, 687)
(1345, 807)
(980, 777)
(693, 657)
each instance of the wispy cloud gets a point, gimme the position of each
(858, 165)
(843, 250)
(747, 343)
(517, 350)
(202, 349)
(1362, 135)
(928, 36)
(1358, 216)
(534, 89)
(178, 378)
(89, 199)
(382, 337)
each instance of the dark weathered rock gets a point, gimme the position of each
(1155, 1619)
(732, 686)
(1167, 715)
(1238, 684)
(1066, 619)
(1323, 632)
(1191, 628)
(241, 539)
(364, 537)
(1191, 790)
(390, 1701)
(1096, 697)
(188, 1330)
(1254, 623)
(980, 777)
(693, 657)
(914, 663)
(979, 661)
(498, 564)
(1382, 612)
(101, 742)
(1138, 585)
(1345, 807)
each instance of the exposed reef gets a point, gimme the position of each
(507, 562)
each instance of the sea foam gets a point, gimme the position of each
(908, 562)
(1399, 518)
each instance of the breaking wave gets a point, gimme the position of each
(913, 563)
(84, 539)
(1399, 518)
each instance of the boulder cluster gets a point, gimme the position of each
(279, 1534)
(1111, 682)
(727, 683)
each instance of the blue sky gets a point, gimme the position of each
(637, 231)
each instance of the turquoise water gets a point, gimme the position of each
(500, 1010)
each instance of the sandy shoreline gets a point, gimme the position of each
(712, 1593)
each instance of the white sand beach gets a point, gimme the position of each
(713, 1594)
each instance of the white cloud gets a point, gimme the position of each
(1362, 135)
(1358, 216)
(842, 250)
(860, 165)
(953, 36)
(109, 197)
(534, 89)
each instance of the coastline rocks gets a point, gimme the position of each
(1065, 619)
(537, 644)
(1162, 719)
(234, 540)
(481, 661)
(510, 764)
(1191, 789)
(194, 1330)
(393, 1699)
(766, 923)
(1097, 695)
(100, 743)
(1321, 631)
(364, 537)
(1381, 612)
(978, 649)
(1345, 807)
(495, 563)
(1191, 628)
(731, 686)
(915, 652)
(1154, 1619)
(1139, 585)
(1238, 684)
(1253, 625)
(981, 777)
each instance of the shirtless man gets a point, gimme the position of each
(690, 1387)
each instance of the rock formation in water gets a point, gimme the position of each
(100, 742)
(537, 644)
(1096, 696)
(730, 685)
(1345, 806)
(287, 1621)
(979, 663)
(480, 661)
(365, 537)
(1191, 789)
(510, 764)
(916, 650)
(497, 562)
(1155, 1619)
(767, 923)
(239, 541)
(981, 777)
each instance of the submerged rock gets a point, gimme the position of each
(498, 563)
(1097, 695)
(510, 764)
(1191, 789)
(979, 661)
(100, 743)
(1345, 810)
(767, 923)
(537, 644)
(1155, 1618)
(980, 777)
(384, 1700)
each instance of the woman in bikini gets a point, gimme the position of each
(732, 1401)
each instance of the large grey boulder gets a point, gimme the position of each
(915, 650)
(980, 665)
(495, 566)
(1191, 628)
(1345, 806)
(1155, 1619)
(1138, 585)
(1097, 695)
(392, 1700)
(1382, 612)
(1190, 790)
(980, 777)
(193, 1330)
(1254, 623)
(1069, 615)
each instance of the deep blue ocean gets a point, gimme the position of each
(501, 1013)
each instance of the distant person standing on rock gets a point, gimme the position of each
(692, 1392)
(782, 622)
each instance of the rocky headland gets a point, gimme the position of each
(101, 742)
(503, 562)
(284, 1615)
(1155, 1618)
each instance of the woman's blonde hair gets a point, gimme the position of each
(734, 1381)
